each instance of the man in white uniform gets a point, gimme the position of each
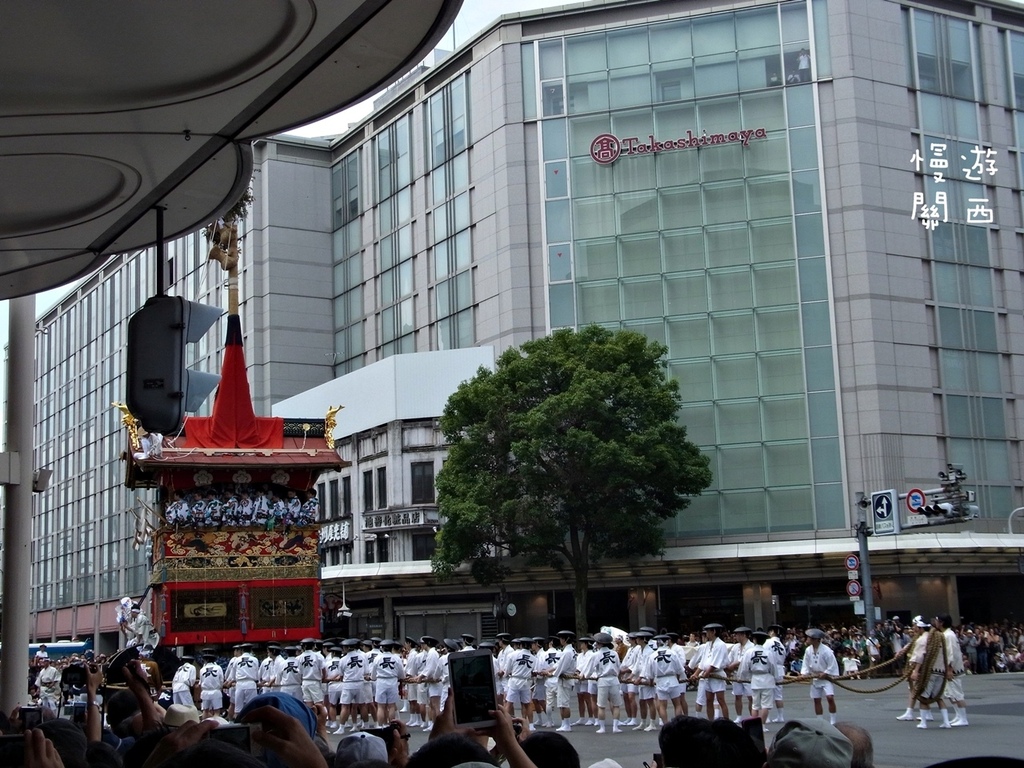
(311, 663)
(820, 665)
(387, 670)
(519, 672)
(712, 670)
(777, 653)
(413, 662)
(563, 672)
(267, 671)
(244, 676)
(954, 670)
(353, 675)
(663, 671)
(332, 672)
(546, 666)
(184, 682)
(741, 684)
(430, 676)
(605, 667)
(627, 674)
(290, 678)
(211, 684)
(757, 665)
(48, 682)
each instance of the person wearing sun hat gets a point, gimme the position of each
(758, 667)
(821, 666)
(914, 651)
(810, 744)
(712, 670)
(563, 672)
(741, 682)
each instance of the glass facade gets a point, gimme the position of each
(717, 251)
(970, 337)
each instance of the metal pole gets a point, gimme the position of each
(161, 264)
(1009, 520)
(17, 576)
(865, 571)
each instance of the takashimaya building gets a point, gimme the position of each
(816, 206)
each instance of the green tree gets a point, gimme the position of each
(567, 453)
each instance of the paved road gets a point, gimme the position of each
(995, 711)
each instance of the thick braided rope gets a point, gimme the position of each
(936, 644)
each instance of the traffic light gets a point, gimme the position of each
(942, 509)
(160, 388)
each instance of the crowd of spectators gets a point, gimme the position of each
(987, 648)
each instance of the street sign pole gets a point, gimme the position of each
(865, 569)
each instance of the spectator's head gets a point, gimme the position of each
(707, 743)
(863, 748)
(550, 750)
(811, 744)
(359, 746)
(69, 741)
(121, 708)
(99, 754)
(448, 751)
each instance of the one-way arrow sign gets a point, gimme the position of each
(884, 513)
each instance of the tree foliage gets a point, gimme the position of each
(567, 453)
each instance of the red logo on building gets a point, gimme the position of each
(605, 149)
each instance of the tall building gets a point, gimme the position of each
(816, 206)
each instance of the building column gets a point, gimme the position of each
(758, 606)
(17, 561)
(953, 599)
(389, 618)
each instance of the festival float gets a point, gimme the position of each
(235, 532)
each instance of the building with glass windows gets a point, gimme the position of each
(816, 206)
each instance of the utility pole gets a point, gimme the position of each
(862, 531)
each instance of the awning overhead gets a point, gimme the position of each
(111, 107)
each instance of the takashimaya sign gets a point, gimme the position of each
(607, 148)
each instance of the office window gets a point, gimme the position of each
(345, 190)
(382, 487)
(422, 482)
(370, 551)
(944, 59)
(382, 548)
(346, 496)
(329, 507)
(423, 545)
(368, 491)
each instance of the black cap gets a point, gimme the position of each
(779, 629)
(410, 640)
(814, 633)
(506, 636)
(469, 638)
(188, 658)
(565, 633)
(428, 640)
(744, 630)
(652, 630)
(452, 644)
(713, 625)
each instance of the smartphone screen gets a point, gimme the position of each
(472, 680)
(31, 717)
(754, 728)
(12, 751)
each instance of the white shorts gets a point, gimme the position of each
(182, 697)
(412, 692)
(434, 689)
(609, 694)
(243, 695)
(212, 700)
(312, 692)
(629, 688)
(292, 690)
(762, 698)
(666, 688)
(386, 691)
(351, 693)
(565, 693)
(367, 692)
(714, 685)
(517, 693)
(592, 687)
(777, 693)
(821, 688)
(741, 689)
(645, 692)
(954, 690)
(334, 693)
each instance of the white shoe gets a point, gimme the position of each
(578, 721)
(532, 727)
(426, 727)
(945, 725)
(639, 726)
(651, 727)
(923, 725)
(738, 719)
(958, 722)
(600, 730)
(929, 716)
(616, 729)
(906, 716)
(405, 708)
(564, 728)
